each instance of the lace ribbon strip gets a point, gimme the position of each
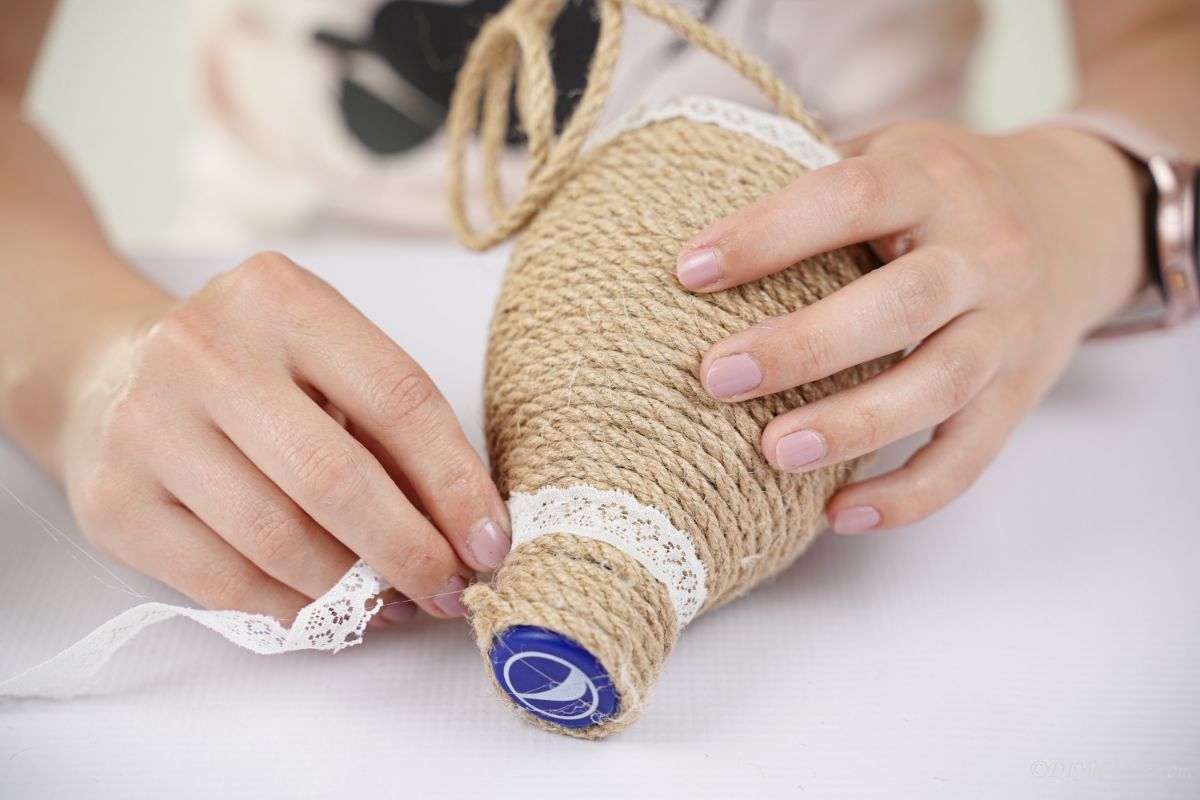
(783, 134)
(339, 618)
(334, 621)
(618, 519)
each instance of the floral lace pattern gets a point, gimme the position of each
(771, 129)
(618, 519)
(338, 618)
(334, 621)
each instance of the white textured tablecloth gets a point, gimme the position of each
(1038, 638)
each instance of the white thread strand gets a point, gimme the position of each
(334, 621)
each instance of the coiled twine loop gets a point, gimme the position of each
(513, 48)
(592, 370)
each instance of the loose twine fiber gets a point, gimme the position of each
(595, 348)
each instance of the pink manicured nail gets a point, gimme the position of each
(799, 448)
(399, 611)
(700, 269)
(856, 519)
(733, 375)
(449, 598)
(489, 544)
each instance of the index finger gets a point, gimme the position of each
(390, 397)
(855, 200)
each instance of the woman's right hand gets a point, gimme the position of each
(254, 441)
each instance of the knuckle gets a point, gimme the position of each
(329, 472)
(187, 338)
(403, 398)
(228, 587)
(263, 279)
(413, 561)
(275, 534)
(860, 187)
(458, 478)
(267, 270)
(1014, 240)
(958, 376)
(126, 421)
(814, 349)
(905, 135)
(867, 431)
(171, 336)
(919, 294)
(945, 161)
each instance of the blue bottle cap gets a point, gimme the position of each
(553, 677)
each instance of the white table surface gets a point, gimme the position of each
(1038, 638)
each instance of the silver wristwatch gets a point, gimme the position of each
(1171, 217)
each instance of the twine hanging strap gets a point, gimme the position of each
(513, 49)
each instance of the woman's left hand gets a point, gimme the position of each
(1000, 254)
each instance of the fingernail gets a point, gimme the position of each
(856, 519)
(700, 269)
(799, 448)
(489, 543)
(449, 598)
(399, 611)
(733, 375)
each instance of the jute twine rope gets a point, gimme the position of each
(593, 361)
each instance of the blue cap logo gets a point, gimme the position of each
(553, 677)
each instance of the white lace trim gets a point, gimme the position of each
(618, 519)
(338, 618)
(771, 129)
(334, 621)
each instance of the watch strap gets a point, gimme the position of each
(1171, 214)
(1118, 131)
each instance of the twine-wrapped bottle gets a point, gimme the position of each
(637, 500)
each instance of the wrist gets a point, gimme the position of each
(1091, 196)
(61, 354)
(1169, 186)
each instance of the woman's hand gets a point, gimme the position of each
(1001, 254)
(257, 439)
